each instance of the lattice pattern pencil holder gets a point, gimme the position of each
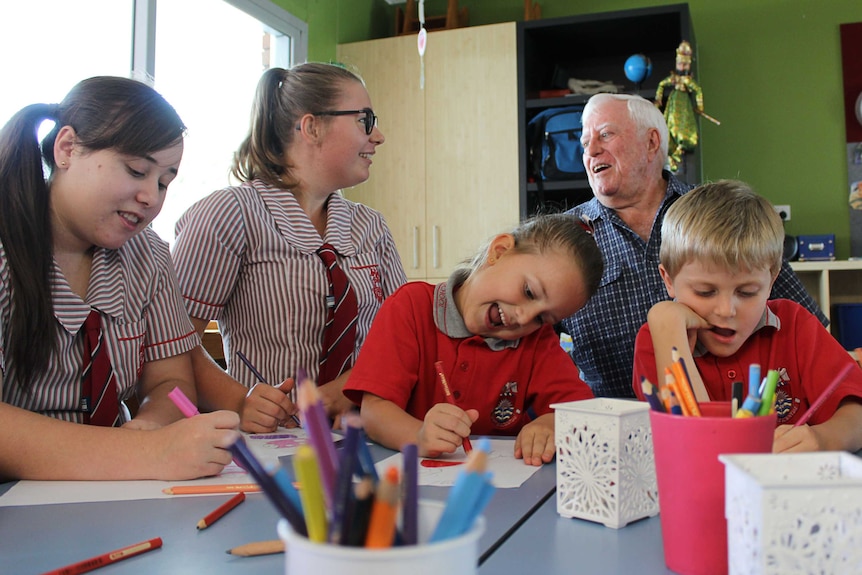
(605, 466)
(793, 513)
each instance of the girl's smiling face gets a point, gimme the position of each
(513, 294)
(732, 302)
(104, 198)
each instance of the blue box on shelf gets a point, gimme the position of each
(816, 248)
(848, 324)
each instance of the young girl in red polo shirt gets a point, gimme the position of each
(491, 328)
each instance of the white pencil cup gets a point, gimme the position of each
(794, 513)
(458, 556)
(605, 465)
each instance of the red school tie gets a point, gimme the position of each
(99, 386)
(339, 334)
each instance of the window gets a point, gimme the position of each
(204, 56)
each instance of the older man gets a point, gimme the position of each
(625, 142)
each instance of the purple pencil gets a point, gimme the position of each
(317, 426)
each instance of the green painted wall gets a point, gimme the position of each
(770, 71)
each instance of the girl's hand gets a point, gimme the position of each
(535, 442)
(194, 447)
(266, 406)
(444, 429)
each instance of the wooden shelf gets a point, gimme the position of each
(831, 282)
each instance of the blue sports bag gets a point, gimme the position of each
(555, 144)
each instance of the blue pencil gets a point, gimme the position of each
(267, 483)
(464, 498)
(343, 499)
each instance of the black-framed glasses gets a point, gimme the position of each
(369, 119)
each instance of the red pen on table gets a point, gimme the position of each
(468, 447)
(108, 558)
(221, 510)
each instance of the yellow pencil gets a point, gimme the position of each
(308, 473)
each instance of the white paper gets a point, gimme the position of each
(267, 447)
(507, 471)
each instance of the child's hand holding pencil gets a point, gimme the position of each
(444, 429)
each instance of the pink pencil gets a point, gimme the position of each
(824, 396)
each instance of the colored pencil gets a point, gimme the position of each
(684, 389)
(830, 389)
(767, 396)
(319, 435)
(258, 548)
(364, 500)
(211, 489)
(671, 385)
(282, 480)
(410, 498)
(183, 403)
(651, 395)
(270, 488)
(384, 512)
(753, 380)
(308, 473)
(258, 376)
(342, 505)
(466, 496)
(366, 460)
(468, 447)
(736, 393)
(108, 558)
(221, 510)
(188, 409)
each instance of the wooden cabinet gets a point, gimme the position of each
(446, 179)
(591, 47)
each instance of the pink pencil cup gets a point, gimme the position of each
(691, 481)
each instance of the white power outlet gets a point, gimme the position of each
(784, 212)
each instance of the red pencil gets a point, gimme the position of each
(824, 396)
(108, 558)
(221, 510)
(468, 447)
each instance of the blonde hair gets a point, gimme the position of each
(724, 223)
(283, 96)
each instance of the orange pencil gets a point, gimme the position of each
(108, 558)
(468, 447)
(683, 388)
(221, 510)
(384, 512)
(211, 489)
(672, 387)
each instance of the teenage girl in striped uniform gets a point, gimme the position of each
(79, 242)
(246, 255)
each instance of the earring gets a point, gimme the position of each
(62, 163)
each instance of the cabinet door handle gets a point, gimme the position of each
(435, 241)
(415, 247)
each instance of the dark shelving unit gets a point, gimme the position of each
(592, 47)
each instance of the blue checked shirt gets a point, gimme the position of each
(604, 330)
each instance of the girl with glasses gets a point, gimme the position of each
(250, 255)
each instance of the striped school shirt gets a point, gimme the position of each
(246, 256)
(135, 291)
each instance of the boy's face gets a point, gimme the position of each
(732, 302)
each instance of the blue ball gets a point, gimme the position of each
(638, 68)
